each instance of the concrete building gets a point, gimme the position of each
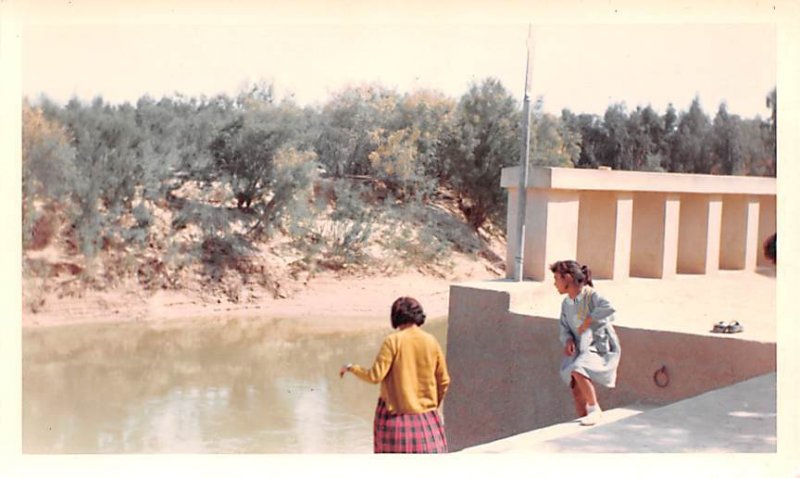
(626, 223)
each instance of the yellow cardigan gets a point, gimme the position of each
(411, 369)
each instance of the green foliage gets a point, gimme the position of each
(289, 199)
(243, 153)
(343, 238)
(424, 237)
(255, 157)
(349, 123)
(552, 144)
(592, 136)
(48, 171)
(687, 142)
(653, 163)
(690, 150)
(618, 152)
(727, 147)
(430, 116)
(48, 164)
(111, 169)
(485, 139)
(235, 172)
(771, 138)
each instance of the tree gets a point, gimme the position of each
(254, 155)
(430, 116)
(552, 143)
(618, 150)
(244, 152)
(48, 171)
(772, 138)
(486, 139)
(592, 134)
(757, 154)
(395, 160)
(111, 166)
(47, 157)
(351, 122)
(727, 147)
(690, 149)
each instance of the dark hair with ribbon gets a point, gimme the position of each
(581, 274)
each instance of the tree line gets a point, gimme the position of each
(109, 165)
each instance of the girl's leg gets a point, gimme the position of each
(586, 389)
(580, 402)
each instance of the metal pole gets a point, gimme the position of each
(523, 159)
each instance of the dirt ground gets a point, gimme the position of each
(326, 303)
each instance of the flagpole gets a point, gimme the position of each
(519, 256)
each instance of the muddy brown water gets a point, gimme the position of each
(231, 386)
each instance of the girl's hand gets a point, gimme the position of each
(584, 325)
(569, 348)
(345, 368)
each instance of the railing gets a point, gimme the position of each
(625, 223)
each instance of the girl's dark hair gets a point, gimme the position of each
(771, 248)
(581, 274)
(407, 310)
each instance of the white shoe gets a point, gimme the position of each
(593, 417)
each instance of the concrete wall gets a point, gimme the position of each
(739, 232)
(604, 233)
(699, 233)
(654, 240)
(504, 367)
(553, 211)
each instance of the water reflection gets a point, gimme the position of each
(231, 386)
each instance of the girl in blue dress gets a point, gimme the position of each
(591, 346)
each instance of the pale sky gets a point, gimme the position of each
(581, 67)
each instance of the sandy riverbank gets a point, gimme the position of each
(327, 303)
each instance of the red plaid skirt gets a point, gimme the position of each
(408, 432)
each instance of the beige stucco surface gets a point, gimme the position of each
(595, 179)
(597, 232)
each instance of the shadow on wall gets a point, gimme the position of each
(504, 368)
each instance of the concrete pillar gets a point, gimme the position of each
(604, 233)
(767, 226)
(511, 230)
(551, 230)
(654, 235)
(699, 234)
(739, 246)
(622, 246)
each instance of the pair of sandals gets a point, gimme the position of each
(727, 327)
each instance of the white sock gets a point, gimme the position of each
(592, 408)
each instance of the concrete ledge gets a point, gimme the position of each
(609, 180)
(537, 440)
(737, 419)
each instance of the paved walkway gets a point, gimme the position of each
(740, 418)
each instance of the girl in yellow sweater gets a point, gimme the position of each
(412, 371)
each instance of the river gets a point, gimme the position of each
(220, 386)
